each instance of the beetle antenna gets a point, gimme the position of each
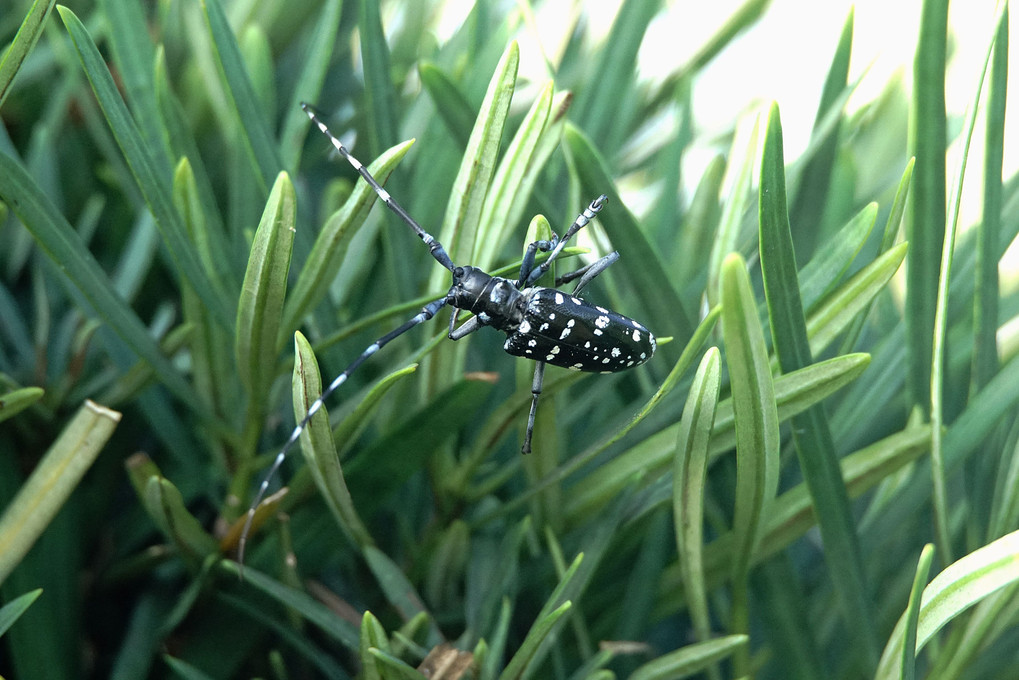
(434, 247)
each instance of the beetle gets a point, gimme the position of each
(544, 324)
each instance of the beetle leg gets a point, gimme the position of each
(539, 378)
(587, 273)
(469, 326)
(527, 265)
(582, 220)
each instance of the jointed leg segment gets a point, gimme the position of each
(586, 274)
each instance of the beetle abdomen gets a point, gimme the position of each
(566, 331)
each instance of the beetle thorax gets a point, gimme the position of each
(495, 300)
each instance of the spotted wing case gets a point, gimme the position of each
(566, 331)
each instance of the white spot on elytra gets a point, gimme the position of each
(551, 316)
(605, 360)
(543, 327)
(566, 331)
(576, 367)
(571, 323)
(525, 327)
(616, 352)
(636, 336)
(532, 343)
(575, 301)
(558, 298)
(601, 321)
(597, 331)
